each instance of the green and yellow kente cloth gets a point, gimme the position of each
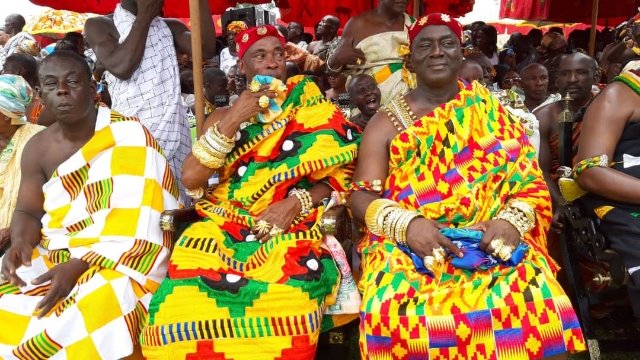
(459, 165)
(102, 205)
(229, 297)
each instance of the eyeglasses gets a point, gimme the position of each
(511, 80)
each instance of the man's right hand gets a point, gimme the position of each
(347, 54)
(16, 256)
(149, 9)
(246, 105)
(423, 236)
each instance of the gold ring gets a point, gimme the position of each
(275, 231)
(429, 261)
(496, 244)
(254, 86)
(195, 193)
(358, 61)
(263, 227)
(505, 253)
(263, 101)
(439, 254)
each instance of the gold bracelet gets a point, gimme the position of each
(222, 136)
(516, 218)
(203, 155)
(524, 208)
(304, 197)
(373, 211)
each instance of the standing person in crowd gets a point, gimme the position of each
(216, 90)
(550, 52)
(255, 264)
(229, 55)
(535, 83)
(337, 86)
(295, 31)
(15, 131)
(487, 41)
(326, 37)
(470, 71)
(360, 51)
(488, 71)
(454, 165)
(86, 251)
(13, 25)
(138, 51)
(365, 96)
(576, 75)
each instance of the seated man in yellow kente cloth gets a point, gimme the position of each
(251, 279)
(86, 249)
(454, 263)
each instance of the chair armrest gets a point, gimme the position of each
(170, 218)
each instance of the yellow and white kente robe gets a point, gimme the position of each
(102, 205)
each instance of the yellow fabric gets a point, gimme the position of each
(10, 174)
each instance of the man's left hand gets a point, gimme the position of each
(63, 278)
(497, 229)
(280, 214)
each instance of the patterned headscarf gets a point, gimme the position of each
(15, 96)
(236, 26)
(435, 19)
(245, 39)
(29, 47)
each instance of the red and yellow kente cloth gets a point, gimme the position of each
(459, 165)
(228, 296)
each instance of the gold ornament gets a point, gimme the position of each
(263, 101)
(263, 227)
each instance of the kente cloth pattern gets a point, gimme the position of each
(102, 205)
(10, 159)
(384, 62)
(11, 45)
(620, 220)
(228, 296)
(152, 94)
(459, 165)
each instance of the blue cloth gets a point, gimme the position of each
(474, 258)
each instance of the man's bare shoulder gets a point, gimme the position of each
(548, 112)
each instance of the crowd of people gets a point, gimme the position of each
(443, 145)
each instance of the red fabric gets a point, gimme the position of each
(610, 13)
(309, 12)
(246, 38)
(172, 8)
(435, 19)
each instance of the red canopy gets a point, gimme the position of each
(309, 12)
(172, 8)
(610, 12)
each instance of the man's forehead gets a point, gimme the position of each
(266, 44)
(576, 61)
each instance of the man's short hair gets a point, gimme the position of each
(69, 55)
(18, 20)
(28, 64)
(212, 74)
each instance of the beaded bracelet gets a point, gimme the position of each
(304, 197)
(596, 161)
(373, 186)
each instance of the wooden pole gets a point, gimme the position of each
(196, 57)
(594, 23)
(416, 8)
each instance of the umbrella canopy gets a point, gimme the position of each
(172, 8)
(610, 12)
(56, 23)
(309, 13)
